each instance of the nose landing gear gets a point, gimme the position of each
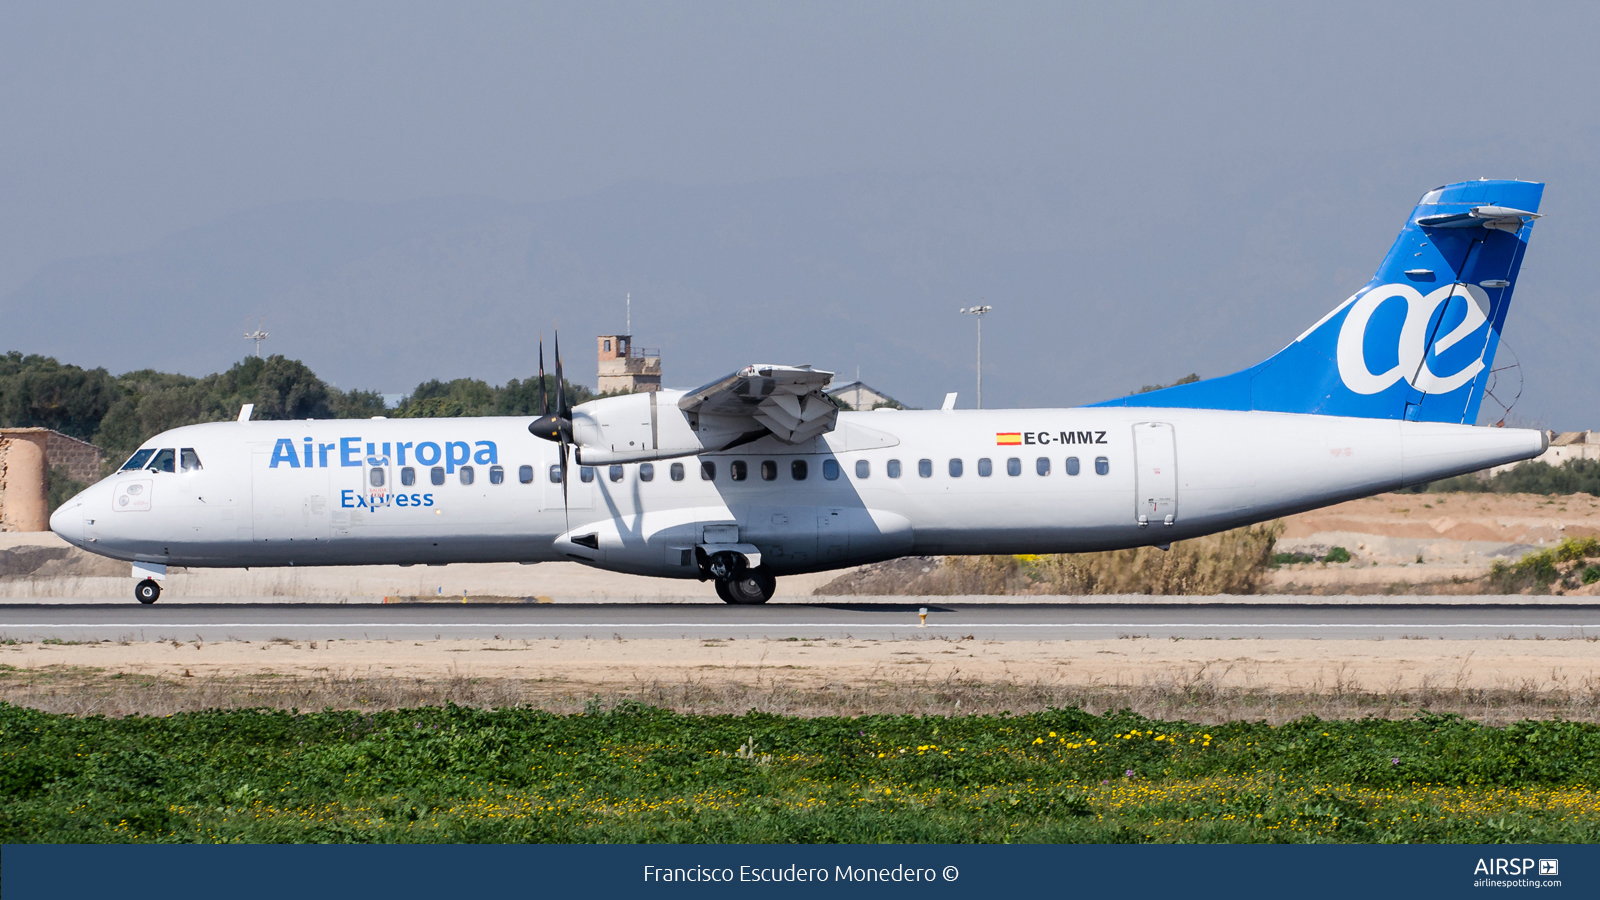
(147, 591)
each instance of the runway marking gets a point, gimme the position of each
(446, 625)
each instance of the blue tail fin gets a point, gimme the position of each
(1418, 341)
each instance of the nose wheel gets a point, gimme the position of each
(147, 591)
(748, 587)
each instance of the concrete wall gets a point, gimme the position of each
(24, 499)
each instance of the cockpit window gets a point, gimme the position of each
(165, 460)
(137, 460)
(190, 460)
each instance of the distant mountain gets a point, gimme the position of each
(1098, 287)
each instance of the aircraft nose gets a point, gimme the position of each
(68, 522)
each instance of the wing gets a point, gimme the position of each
(785, 400)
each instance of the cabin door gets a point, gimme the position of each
(1156, 474)
(289, 504)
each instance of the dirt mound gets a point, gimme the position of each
(32, 561)
(1503, 518)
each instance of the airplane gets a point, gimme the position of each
(758, 475)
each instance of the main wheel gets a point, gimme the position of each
(750, 586)
(722, 591)
(147, 591)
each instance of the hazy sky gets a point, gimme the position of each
(121, 123)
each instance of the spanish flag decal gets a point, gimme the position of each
(1007, 437)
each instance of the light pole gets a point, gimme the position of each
(258, 335)
(978, 311)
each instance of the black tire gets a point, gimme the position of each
(722, 591)
(751, 587)
(147, 591)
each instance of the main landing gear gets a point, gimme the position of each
(147, 591)
(747, 587)
(737, 583)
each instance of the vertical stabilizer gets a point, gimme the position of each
(1418, 341)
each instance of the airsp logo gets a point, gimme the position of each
(1412, 366)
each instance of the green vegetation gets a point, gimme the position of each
(1575, 476)
(639, 774)
(1190, 378)
(63, 486)
(1567, 565)
(119, 412)
(471, 397)
(1334, 555)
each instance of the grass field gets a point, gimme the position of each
(639, 774)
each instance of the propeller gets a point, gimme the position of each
(558, 427)
(544, 398)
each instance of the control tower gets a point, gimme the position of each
(626, 369)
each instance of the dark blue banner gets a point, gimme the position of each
(60, 872)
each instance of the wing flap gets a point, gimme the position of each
(786, 400)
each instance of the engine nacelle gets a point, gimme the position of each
(647, 426)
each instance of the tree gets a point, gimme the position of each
(1190, 378)
(38, 391)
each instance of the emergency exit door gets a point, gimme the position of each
(1156, 478)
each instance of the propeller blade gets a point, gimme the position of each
(544, 398)
(565, 432)
(561, 381)
(550, 427)
(566, 511)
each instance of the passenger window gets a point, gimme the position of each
(769, 470)
(1013, 467)
(1042, 465)
(676, 471)
(708, 471)
(892, 469)
(497, 475)
(1102, 466)
(408, 476)
(436, 474)
(738, 471)
(586, 474)
(985, 467)
(1072, 465)
(647, 472)
(555, 474)
(190, 460)
(863, 469)
(137, 460)
(925, 468)
(164, 461)
(375, 477)
(616, 473)
(955, 468)
(467, 475)
(830, 469)
(797, 470)
(525, 474)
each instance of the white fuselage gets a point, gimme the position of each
(276, 493)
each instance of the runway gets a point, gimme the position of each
(861, 621)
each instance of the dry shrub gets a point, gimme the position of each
(1199, 694)
(1232, 562)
